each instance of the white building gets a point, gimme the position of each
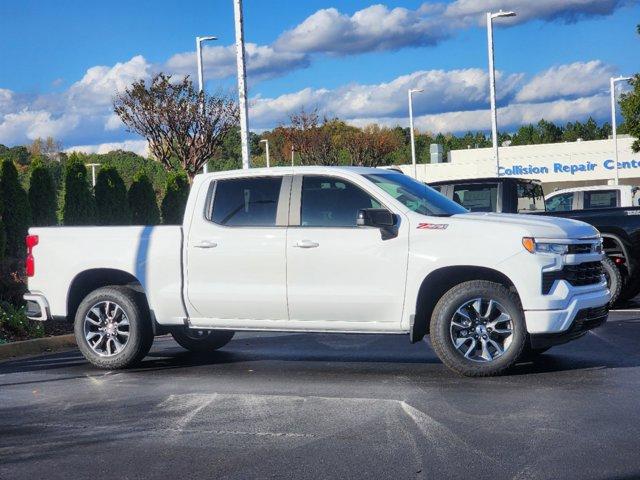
(557, 165)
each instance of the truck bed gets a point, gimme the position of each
(151, 255)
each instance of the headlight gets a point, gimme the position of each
(544, 247)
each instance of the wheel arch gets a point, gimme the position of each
(438, 282)
(87, 281)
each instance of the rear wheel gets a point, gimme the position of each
(614, 279)
(478, 329)
(113, 327)
(202, 340)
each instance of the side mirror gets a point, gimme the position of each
(376, 217)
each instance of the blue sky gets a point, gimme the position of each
(61, 62)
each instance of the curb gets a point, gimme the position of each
(37, 346)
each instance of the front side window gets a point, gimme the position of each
(477, 198)
(246, 202)
(415, 195)
(530, 197)
(563, 202)
(332, 202)
(601, 199)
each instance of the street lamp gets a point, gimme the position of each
(93, 172)
(413, 139)
(492, 83)
(266, 143)
(199, 40)
(613, 81)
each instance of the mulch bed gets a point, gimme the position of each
(51, 329)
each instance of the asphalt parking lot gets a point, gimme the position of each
(326, 406)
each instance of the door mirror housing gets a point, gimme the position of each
(376, 217)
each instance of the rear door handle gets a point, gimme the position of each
(205, 244)
(306, 244)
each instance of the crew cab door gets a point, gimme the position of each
(235, 252)
(339, 275)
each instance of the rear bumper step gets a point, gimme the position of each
(37, 307)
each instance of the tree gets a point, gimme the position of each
(79, 205)
(48, 147)
(175, 199)
(16, 215)
(112, 205)
(630, 108)
(177, 120)
(142, 202)
(312, 140)
(371, 146)
(42, 196)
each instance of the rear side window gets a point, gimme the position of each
(332, 202)
(563, 202)
(601, 199)
(477, 198)
(530, 197)
(246, 202)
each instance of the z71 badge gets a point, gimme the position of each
(432, 226)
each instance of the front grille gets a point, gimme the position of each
(588, 273)
(580, 248)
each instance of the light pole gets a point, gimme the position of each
(293, 151)
(93, 172)
(266, 143)
(199, 40)
(492, 84)
(242, 83)
(413, 139)
(614, 135)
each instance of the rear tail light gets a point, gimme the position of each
(30, 263)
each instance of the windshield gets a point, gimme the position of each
(415, 195)
(530, 197)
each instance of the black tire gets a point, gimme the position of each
(614, 279)
(196, 340)
(441, 321)
(140, 330)
(630, 290)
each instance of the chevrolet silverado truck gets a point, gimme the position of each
(323, 249)
(618, 227)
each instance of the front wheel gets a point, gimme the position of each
(202, 340)
(477, 328)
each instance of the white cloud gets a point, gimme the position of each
(141, 147)
(470, 12)
(443, 91)
(101, 83)
(573, 80)
(374, 28)
(509, 117)
(220, 62)
(26, 125)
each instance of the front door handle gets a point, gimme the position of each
(205, 244)
(306, 244)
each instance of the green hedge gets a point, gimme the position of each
(175, 198)
(79, 205)
(142, 202)
(112, 206)
(16, 215)
(42, 196)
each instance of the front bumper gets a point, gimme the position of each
(586, 319)
(556, 320)
(37, 307)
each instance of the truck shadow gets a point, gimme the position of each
(614, 347)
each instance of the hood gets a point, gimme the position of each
(538, 227)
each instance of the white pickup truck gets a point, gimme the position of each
(323, 249)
